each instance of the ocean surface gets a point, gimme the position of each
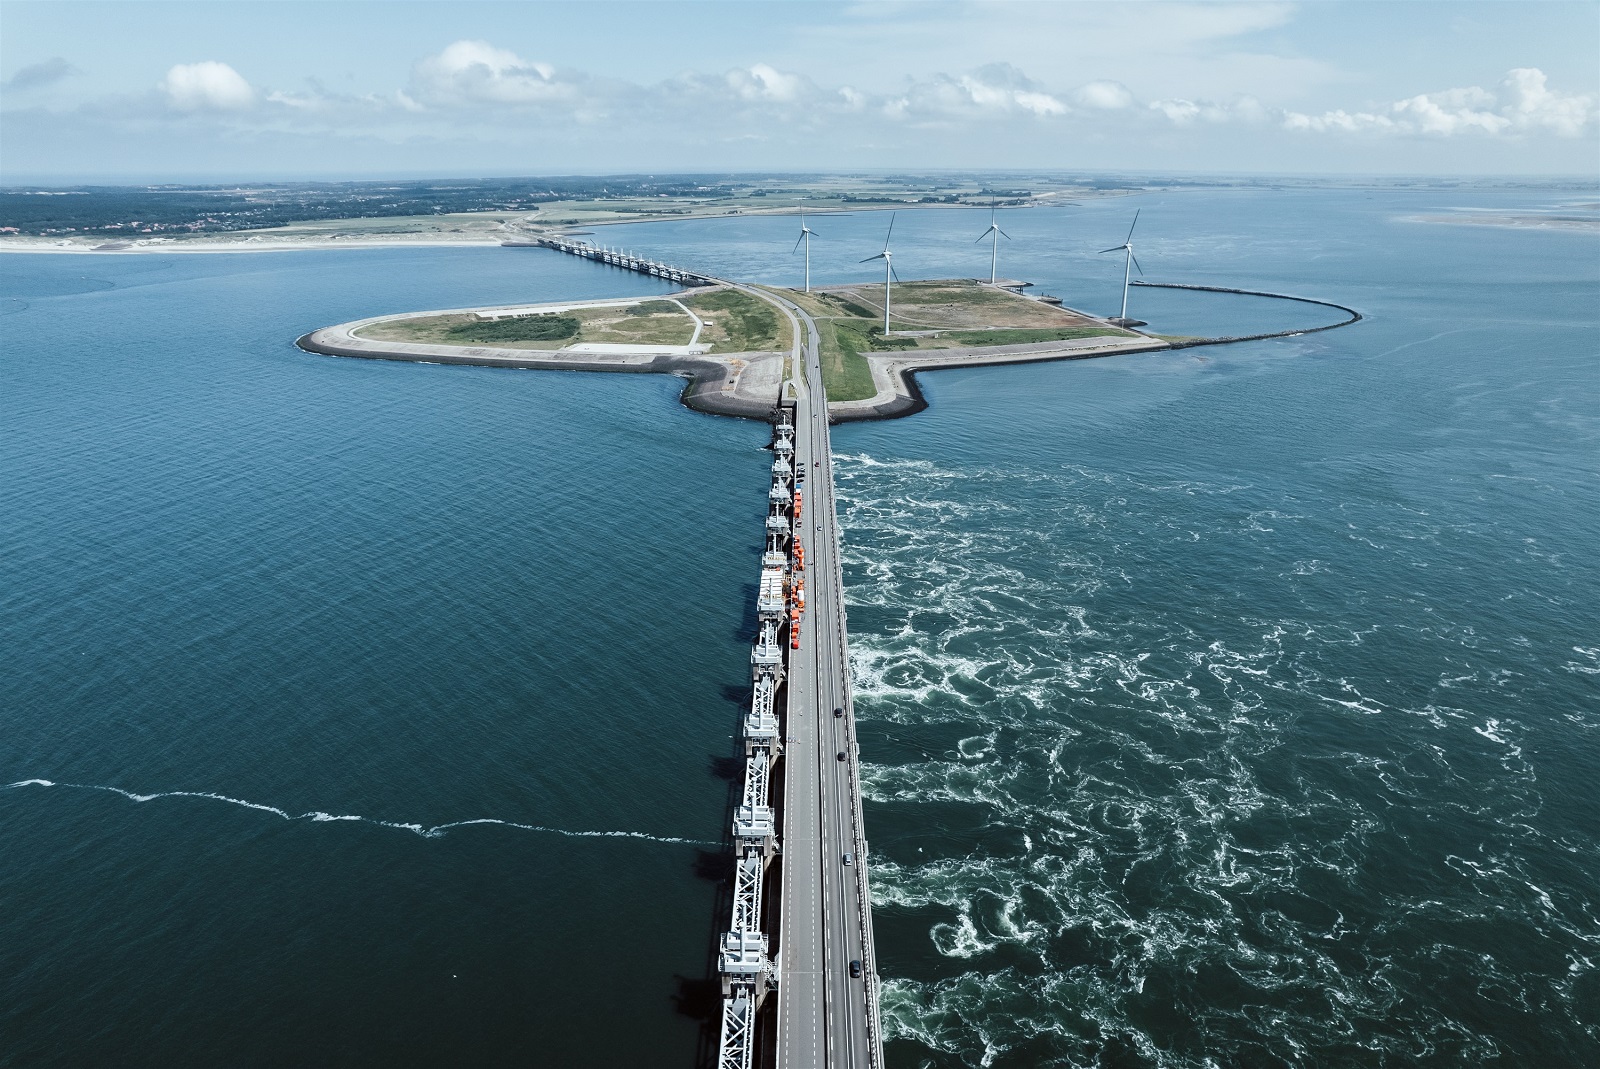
(1237, 706)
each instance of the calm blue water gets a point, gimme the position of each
(377, 598)
(1230, 707)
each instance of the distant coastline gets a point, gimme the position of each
(247, 244)
(1515, 220)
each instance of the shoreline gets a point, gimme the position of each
(264, 241)
(743, 385)
(746, 385)
(724, 384)
(203, 245)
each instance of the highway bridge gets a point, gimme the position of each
(799, 977)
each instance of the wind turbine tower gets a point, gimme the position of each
(805, 236)
(1128, 264)
(994, 234)
(888, 272)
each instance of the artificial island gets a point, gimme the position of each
(730, 341)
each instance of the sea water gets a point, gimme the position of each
(1237, 706)
(354, 713)
(1230, 706)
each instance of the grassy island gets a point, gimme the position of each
(943, 314)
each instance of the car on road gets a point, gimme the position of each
(855, 970)
(849, 858)
(838, 712)
(841, 755)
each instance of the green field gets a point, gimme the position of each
(740, 323)
(846, 375)
(949, 314)
(644, 323)
(523, 328)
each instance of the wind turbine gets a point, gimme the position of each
(1127, 264)
(805, 236)
(888, 272)
(994, 234)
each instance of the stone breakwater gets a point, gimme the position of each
(1352, 316)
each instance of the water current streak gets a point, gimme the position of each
(317, 816)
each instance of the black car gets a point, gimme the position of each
(841, 755)
(838, 712)
(855, 970)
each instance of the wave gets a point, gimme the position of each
(434, 831)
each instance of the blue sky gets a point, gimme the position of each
(197, 90)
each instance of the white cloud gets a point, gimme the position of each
(1530, 103)
(762, 82)
(208, 86)
(998, 88)
(478, 72)
(1182, 112)
(1038, 103)
(1103, 96)
(297, 101)
(1522, 103)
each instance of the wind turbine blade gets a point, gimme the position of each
(887, 236)
(893, 272)
(982, 236)
(1119, 248)
(1135, 260)
(1135, 223)
(797, 242)
(1004, 234)
(869, 259)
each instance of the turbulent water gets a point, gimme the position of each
(1241, 707)
(1228, 707)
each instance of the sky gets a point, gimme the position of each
(197, 91)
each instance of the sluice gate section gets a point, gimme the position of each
(628, 261)
(747, 971)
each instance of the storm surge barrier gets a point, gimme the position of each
(748, 973)
(618, 258)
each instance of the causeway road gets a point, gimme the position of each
(827, 1018)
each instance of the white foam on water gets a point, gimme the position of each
(318, 817)
(1145, 768)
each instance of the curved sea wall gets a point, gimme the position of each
(1354, 316)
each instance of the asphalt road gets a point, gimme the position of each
(826, 1018)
